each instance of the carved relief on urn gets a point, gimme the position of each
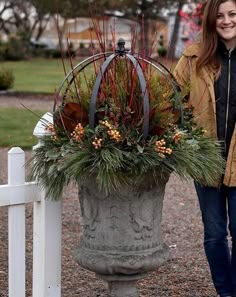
(121, 235)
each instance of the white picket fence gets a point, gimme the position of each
(46, 231)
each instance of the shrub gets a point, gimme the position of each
(56, 53)
(81, 45)
(2, 51)
(161, 50)
(15, 50)
(52, 53)
(6, 79)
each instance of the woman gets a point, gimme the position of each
(210, 68)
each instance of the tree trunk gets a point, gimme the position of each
(175, 33)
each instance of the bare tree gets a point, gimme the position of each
(22, 18)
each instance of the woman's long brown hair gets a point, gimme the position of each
(209, 38)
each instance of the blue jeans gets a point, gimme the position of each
(218, 207)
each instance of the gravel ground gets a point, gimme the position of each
(186, 272)
(43, 102)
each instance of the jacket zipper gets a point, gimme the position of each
(228, 93)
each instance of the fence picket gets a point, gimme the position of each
(47, 249)
(16, 226)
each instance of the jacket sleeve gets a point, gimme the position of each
(182, 71)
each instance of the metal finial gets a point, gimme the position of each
(121, 47)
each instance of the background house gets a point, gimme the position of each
(83, 32)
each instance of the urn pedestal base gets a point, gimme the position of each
(121, 236)
(122, 285)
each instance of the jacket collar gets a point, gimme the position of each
(192, 50)
(223, 51)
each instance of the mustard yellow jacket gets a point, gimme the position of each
(202, 97)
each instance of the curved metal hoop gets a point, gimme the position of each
(96, 88)
(70, 77)
(136, 61)
(166, 73)
(143, 85)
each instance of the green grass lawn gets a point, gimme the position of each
(16, 127)
(43, 75)
(37, 75)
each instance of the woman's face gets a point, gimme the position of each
(226, 23)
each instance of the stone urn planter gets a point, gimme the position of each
(119, 133)
(121, 239)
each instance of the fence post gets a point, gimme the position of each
(46, 238)
(16, 226)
